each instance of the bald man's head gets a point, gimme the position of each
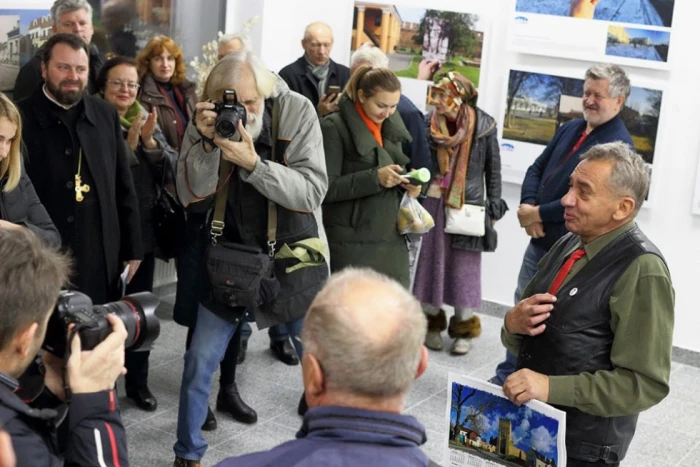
(367, 333)
(317, 43)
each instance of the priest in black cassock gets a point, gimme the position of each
(76, 159)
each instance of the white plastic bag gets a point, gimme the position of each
(413, 218)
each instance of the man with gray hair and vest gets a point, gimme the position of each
(357, 377)
(263, 172)
(70, 17)
(541, 215)
(593, 335)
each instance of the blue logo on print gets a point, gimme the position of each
(521, 19)
(507, 147)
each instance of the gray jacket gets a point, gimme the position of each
(300, 184)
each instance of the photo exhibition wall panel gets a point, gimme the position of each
(536, 103)
(422, 44)
(627, 32)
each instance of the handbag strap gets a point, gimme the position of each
(225, 167)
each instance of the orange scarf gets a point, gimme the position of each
(371, 126)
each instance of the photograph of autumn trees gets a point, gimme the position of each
(537, 104)
(493, 428)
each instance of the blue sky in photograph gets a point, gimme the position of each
(529, 428)
(414, 15)
(655, 37)
(638, 100)
(25, 17)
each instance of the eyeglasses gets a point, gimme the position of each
(117, 84)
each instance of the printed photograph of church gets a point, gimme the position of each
(492, 428)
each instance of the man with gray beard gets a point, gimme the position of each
(295, 182)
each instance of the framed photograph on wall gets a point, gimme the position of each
(422, 44)
(627, 32)
(22, 32)
(537, 102)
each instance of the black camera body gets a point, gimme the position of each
(229, 113)
(136, 311)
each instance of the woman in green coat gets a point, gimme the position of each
(364, 160)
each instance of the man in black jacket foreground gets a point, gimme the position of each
(31, 276)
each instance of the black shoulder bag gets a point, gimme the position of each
(241, 275)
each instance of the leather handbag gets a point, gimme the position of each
(241, 275)
(470, 220)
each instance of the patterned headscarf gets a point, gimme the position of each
(453, 151)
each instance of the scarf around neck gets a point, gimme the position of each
(131, 114)
(453, 151)
(320, 73)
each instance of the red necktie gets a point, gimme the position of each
(575, 256)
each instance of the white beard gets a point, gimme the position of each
(254, 123)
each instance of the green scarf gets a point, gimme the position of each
(134, 112)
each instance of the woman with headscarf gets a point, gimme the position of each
(467, 170)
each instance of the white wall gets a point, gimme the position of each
(668, 221)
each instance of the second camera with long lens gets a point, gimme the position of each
(136, 311)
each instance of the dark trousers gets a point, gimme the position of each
(578, 463)
(136, 363)
(227, 367)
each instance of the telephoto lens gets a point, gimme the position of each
(136, 311)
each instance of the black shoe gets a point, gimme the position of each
(284, 351)
(303, 407)
(144, 399)
(210, 422)
(230, 401)
(180, 462)
(241, 352)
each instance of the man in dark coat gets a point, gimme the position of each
(76, 159)
(70, 17)
(547, 180)
(312, 74)
(31, 276)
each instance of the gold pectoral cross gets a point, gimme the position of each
(80, 188)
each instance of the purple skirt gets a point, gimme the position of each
(446, 275)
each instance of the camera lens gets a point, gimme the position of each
(138, 313)
(225, 128)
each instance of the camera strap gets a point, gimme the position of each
(217, 224)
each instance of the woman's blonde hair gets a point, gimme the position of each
(11, 166)
(371, 80)
(155, 47)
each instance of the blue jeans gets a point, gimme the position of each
(209, 342)
(277, 333)
(533, 255)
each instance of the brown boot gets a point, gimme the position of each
(436, 324)
(462, 332)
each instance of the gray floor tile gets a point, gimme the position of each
(684, 384)
(672, 412)
(645, 444)
(431, 412)
(261, 438)
(166, 400)
(149, 447)
(435, 447)
(692, 459)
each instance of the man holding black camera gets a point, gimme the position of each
(272, 177)
(31, 276)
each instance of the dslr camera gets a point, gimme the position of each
(229, 113)
(136, 311)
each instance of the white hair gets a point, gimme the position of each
(629, 175)
(619, 83)
(60, 7)
(227, 72)
(370, 55)
(375, 358)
